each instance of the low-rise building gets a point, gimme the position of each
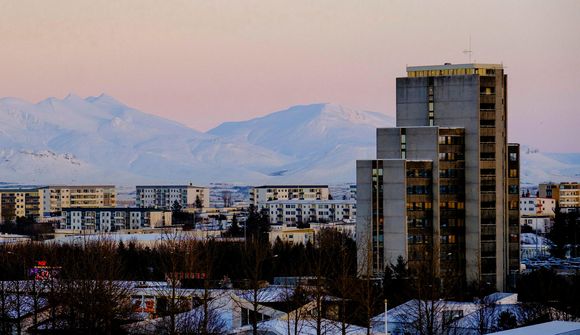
(549, 190)
(79, 196)
(533, 206)
(265, 193)
(21, 202)
(305, 211)
(569, 195)
(163, 196)
(114, 219)
(292, 235)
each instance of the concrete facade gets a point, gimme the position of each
(453, 116)
(163, 196)
(21, 202)
(265, 193)
(114, 219)
(305, 211)
(84, 196)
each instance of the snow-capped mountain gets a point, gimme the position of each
(322, 140)
(101, 140)
(540, 167)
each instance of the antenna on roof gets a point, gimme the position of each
(469, 52)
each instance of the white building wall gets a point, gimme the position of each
(293, 211)
(531, 206)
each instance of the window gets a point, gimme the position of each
(487, 155)
(513, 156)
(488, 172)
(487, 106)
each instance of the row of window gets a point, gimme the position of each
(450, 173)
(418, 173)
(419, 189)
(451, 156)
(419, 206)
(452, 205)
(454, 140)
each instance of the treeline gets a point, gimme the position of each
(140, 263)
(565, 234)
(84, 289)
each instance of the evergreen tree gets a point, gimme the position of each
(176, 207)
(235, 230)
(564, 232)
(257, 224)
(198, 202)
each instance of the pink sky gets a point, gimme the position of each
(204, 62)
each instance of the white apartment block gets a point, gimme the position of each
(288, 192)
(304, 211)
(163, 196)
(114, 219)
(56, 198)
(533, 206)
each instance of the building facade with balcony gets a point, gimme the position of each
(443, 191)
(82, 196)
(265, 193)
(164, 196)
(21, 202)
(113, 219)
(306, 211)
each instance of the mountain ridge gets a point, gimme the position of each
(100, 139)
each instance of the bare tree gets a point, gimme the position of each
(256, 257)
(171, 299)
(90, 296)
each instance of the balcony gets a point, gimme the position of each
(487, 98)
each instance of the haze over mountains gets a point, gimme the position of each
(101, 140)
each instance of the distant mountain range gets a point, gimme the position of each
(101, 140)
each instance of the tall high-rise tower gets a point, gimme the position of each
(443, 191)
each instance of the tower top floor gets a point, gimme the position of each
(449, 69)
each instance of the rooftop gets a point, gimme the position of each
(449, 66)
(547, 328)
(292, 186)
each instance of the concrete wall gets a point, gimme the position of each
(395, 210)
(388, 143)
(363, 213)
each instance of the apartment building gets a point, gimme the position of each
(305, 211)
(535, 206)
(100, 219)
(292, 235)
(163, 196)
(288, 192)
(443, 191)
(569, 195)
(81, 196)
(21, 202)
(549, 190)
